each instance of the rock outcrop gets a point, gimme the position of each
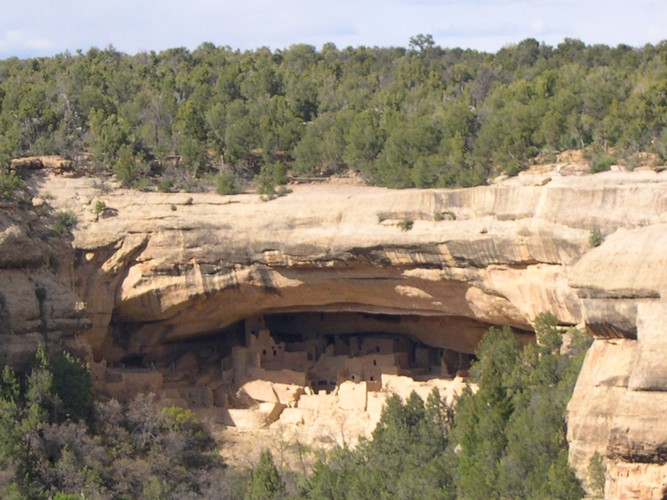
(37, 302)
(160, 270)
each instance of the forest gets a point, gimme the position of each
(505, 437)
(421, 116)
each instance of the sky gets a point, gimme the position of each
(32, 28)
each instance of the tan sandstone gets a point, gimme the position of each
(162, 270)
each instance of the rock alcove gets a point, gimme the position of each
(162, 291)
(313, 349)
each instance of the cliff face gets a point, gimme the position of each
(37, 304)
(156, 270)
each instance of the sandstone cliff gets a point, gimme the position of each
(155, 270)
(37, 302)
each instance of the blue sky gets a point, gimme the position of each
(46, 27)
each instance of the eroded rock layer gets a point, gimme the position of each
(37, 302)
(437, 266)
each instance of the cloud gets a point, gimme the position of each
(41, 27)
(24, 42)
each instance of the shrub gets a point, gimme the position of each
(595, 238)
(58, 228)
(225, 183)
(99, 209)
(10, 186)
(71, 381)
(265, 481)
(602, 164)
(513, 169)
(444, 215)
(65, 220)
(264, 180)
(165, 186)
(382, 216)
(127, 167)
(405, 224)
(596, 475)
(270, 176)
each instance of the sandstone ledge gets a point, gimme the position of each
(160, 268)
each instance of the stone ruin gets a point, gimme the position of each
(251, 377)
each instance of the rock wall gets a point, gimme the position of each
(37, 304)
(155, 269)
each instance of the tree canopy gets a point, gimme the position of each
(418, 117)
(506, 439)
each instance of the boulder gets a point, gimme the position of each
(260, 390)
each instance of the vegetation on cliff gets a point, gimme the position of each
(423, 116)
(11, 187)
(505, 439)
(55, 441)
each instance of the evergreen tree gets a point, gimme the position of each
(265, 481)
(511, 432)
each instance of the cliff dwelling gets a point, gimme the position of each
(307, 311)
(255, 369)
(315, 350)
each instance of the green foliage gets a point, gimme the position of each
(99, 209)
(225, 183)
(72, 384)
(596, 475)
(58, 228)
(127, 167)
(270, 180)
(549, 338)
(595, 238)
(504, 440)
(405, 224)
(404, 459)
(11, 186)
(511, 431)
(65, 221)
(444, 215)
(514, 168)
(602, 164)
(422, 117)
(66, 496)
(165, 186)
(52, 442)
(265, 481)
(382, 216)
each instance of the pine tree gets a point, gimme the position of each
(265, 481)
